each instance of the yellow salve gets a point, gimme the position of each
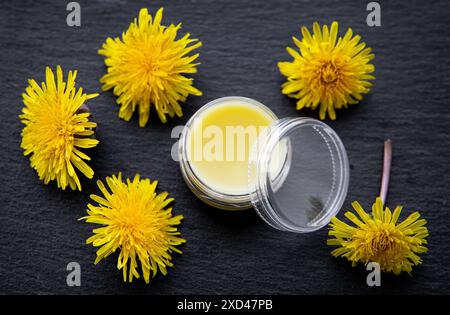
(219, 142)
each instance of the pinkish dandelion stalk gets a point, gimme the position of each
(387, 161)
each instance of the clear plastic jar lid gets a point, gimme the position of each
(298, 174)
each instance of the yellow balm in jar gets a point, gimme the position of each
(219, 142)
(235, 154)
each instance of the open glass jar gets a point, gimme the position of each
(295, 170)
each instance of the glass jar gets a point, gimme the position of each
(297, 171)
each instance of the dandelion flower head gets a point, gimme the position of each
(328, 72)
(146, 68)
(380, 237)
(57, 128)
(136, 222)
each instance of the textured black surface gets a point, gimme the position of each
(232, 253)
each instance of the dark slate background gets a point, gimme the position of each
(227, 253)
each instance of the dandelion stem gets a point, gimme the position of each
(83, 109)
(386, 172)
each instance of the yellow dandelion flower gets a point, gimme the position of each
(56, 127)
(328, 71)
(146, 67)
(380, 238)
(135, 220)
